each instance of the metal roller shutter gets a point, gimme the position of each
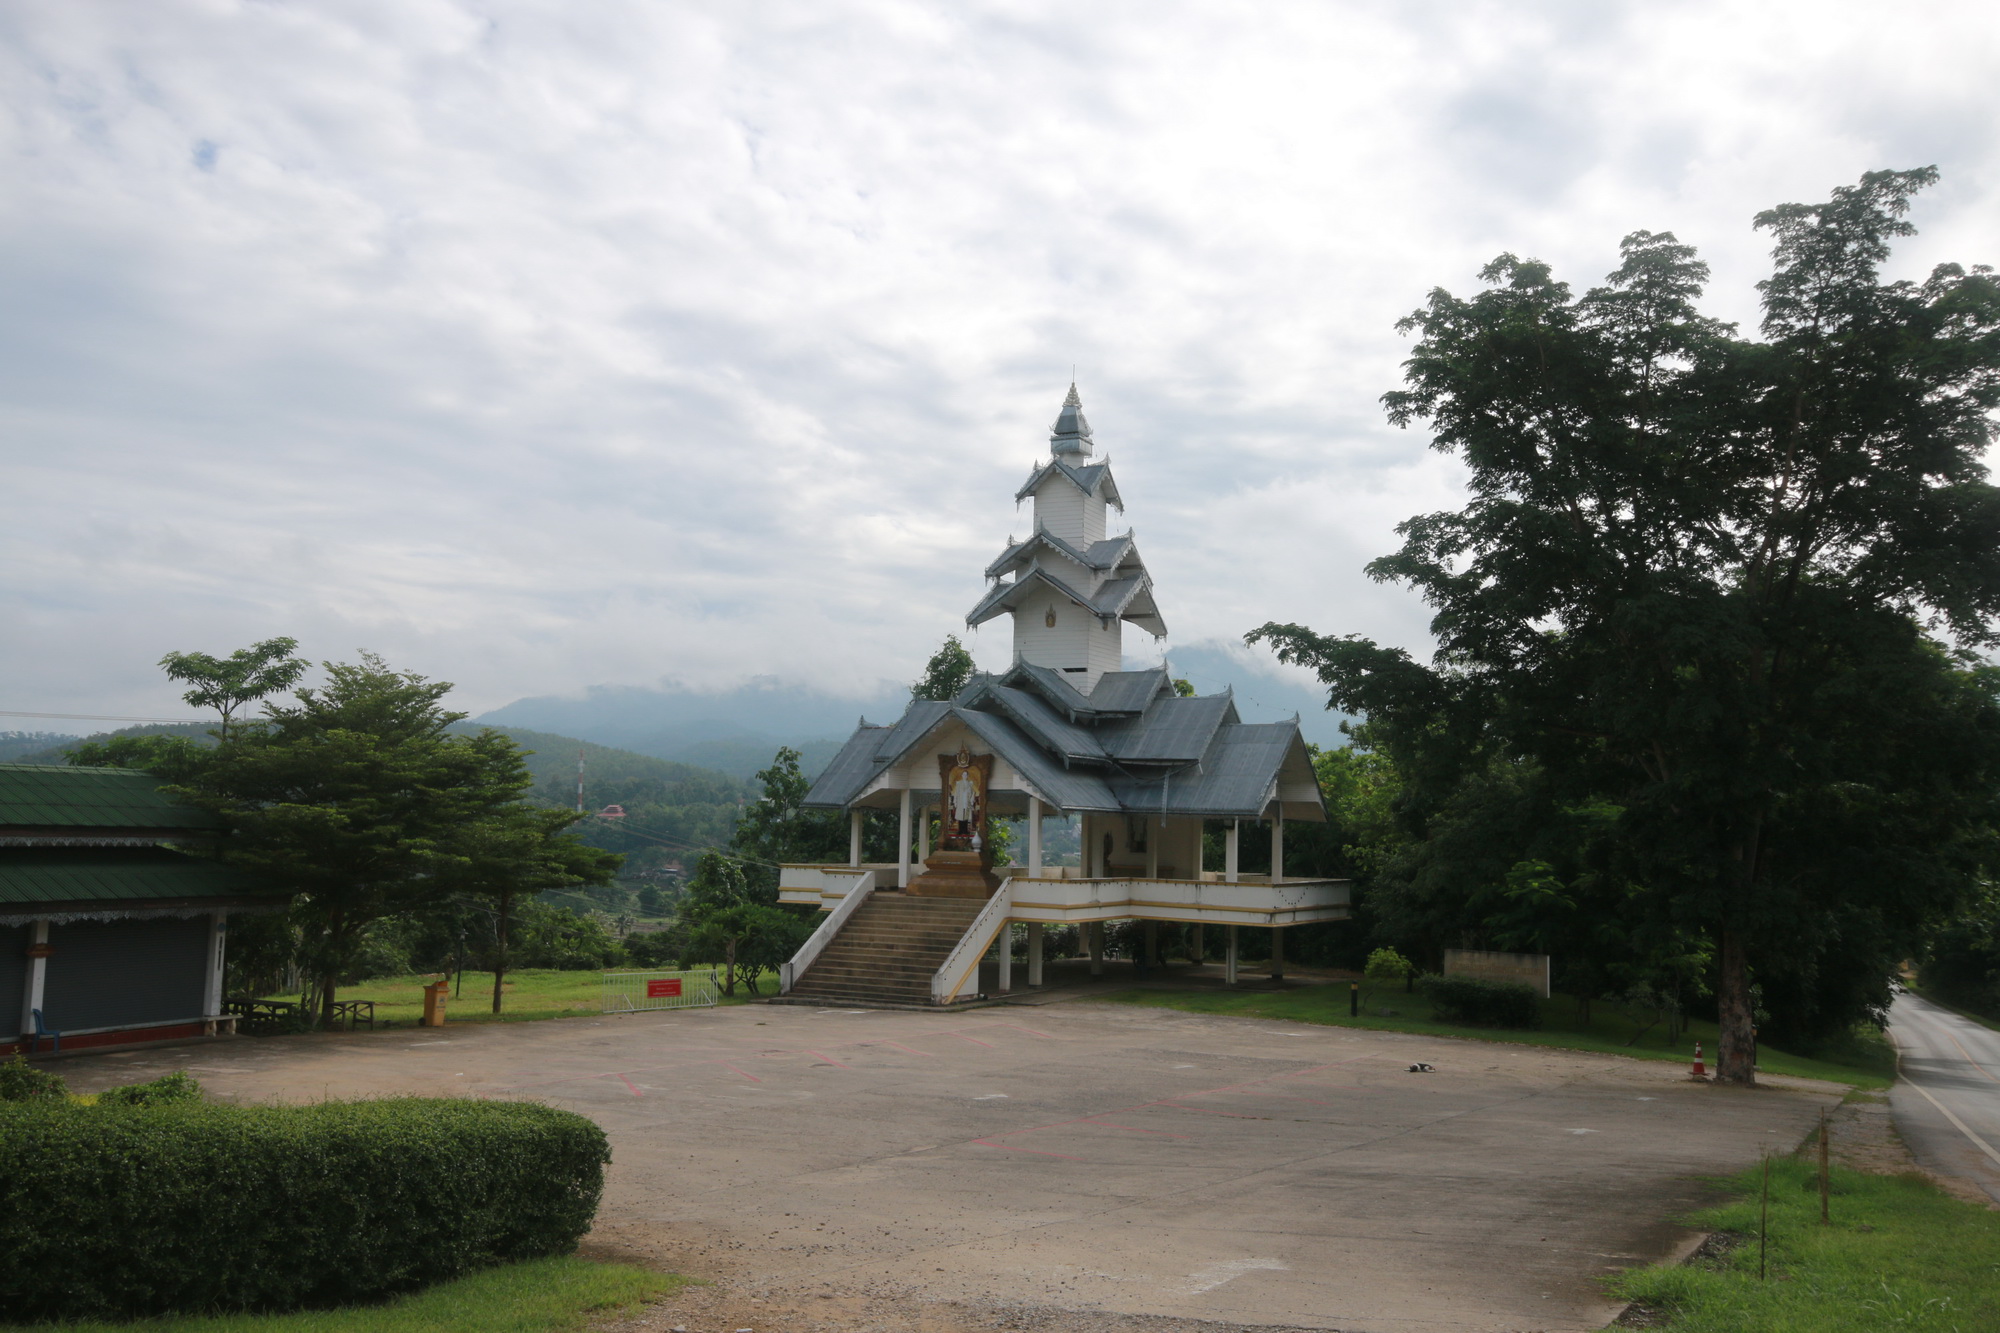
(13, 977)
(107, 974)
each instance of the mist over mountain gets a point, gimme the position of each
(737, 731)
(734, 731)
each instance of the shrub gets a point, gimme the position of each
(656, 948)
(22, 1082)
(1386, 964)
(1506, 1004)
(112, 1212)
(175, 1087)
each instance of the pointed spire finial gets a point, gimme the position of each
(1071, 433)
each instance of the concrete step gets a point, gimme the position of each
(874, 939)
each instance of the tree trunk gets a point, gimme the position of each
(729, 968)
(1736, 1052)
(500, 947)
(329, 978)
(329, 982)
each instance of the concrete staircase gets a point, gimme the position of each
(888, 951)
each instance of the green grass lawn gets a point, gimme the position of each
(1898, 1254)
(530, 994)
(1867, 1061)
(541, 1296)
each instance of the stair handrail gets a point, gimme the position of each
(790, 972)
(964, 957)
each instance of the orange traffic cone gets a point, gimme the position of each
(1699, 1071)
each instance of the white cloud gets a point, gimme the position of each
(543, 345)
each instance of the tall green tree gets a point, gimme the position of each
(729, 921)
(773, 829)
(512, 852)
(1726, 586)
(948, 672)
(247, 675)
(360, 799)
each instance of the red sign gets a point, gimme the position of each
(664, 988)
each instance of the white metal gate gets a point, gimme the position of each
(631, 992)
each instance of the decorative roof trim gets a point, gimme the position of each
(1089, 485)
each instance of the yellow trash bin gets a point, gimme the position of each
(434, 998)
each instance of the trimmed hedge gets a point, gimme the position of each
(1503, 1004)
(110, 1212)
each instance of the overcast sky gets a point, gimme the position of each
(543, 345)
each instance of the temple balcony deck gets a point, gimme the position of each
(1060, 895)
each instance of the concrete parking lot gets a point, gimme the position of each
(1072, 1164)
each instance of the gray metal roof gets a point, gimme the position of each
(870, 750)
(1235, 779)
(1067, 788)
(1130, 691)
(1107, 553)
(1131, 744)
(1098, 555)
(1071, 431)
(1049, 683)
(1055, 733)
(1003, 596)
(1086, 479)
(918, 718)
(848, 772)
(1173, 730)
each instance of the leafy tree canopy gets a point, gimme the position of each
(226, 684)
(362, 800)
(1722, 590)
(948, 671)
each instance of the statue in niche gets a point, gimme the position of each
(962, 865)
(963, 778)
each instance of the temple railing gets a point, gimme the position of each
(823, 886)
(962, 963)
(854, 892)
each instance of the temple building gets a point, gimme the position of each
(1064, 731)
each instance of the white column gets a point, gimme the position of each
(1229, 843)
(903, 841)
(1153, 827)
(1200, 950)
(1034, 854)
(1277, 953)
(1034, 953)
(1006, 957)
(38, 975)
(1277, 843)
(854, 818)
(1229, 960)
(1096, 929)
(211, 987)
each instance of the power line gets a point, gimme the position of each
(100, 717)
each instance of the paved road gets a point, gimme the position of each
(1947, 1102)
(921, 1173)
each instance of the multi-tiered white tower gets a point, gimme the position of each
(1069, 587)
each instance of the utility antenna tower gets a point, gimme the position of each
(579, 779)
